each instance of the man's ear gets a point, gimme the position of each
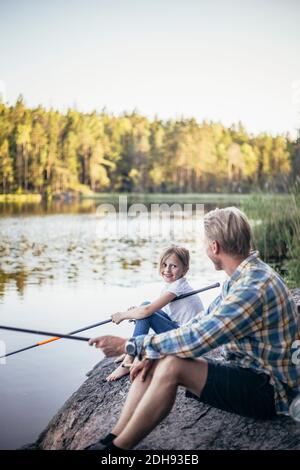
(215, 246)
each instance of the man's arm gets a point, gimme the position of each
(238, 315)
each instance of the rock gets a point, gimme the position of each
(93, 409)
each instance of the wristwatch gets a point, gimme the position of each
(130, 347)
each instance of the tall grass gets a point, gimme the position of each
(276, 229)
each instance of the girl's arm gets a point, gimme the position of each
(144, 311)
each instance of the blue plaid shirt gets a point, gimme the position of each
(257, 321)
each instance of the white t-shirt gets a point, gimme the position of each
(182, 311)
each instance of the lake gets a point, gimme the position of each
(66, 266)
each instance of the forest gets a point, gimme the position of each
(47, 152)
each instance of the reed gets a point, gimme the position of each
(276, 231)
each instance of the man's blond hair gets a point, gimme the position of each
(230, 228)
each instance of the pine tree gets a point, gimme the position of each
(6, 169)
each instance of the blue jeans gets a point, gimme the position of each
(159, 321)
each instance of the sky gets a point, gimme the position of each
(219, 60)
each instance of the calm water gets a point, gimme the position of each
(64, 267)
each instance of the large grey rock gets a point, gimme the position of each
(92, 411)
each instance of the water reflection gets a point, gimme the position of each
(70, 243)
(89, 206)
(56, 207)
(19, 278)
(73, 248)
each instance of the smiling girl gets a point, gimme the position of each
(161, 315)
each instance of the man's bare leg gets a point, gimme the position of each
(136, 392)
(160, 395)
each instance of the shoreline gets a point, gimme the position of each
(69, 196)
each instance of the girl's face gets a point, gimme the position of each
(172, 269)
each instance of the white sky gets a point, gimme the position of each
(221, 60)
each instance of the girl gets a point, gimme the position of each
(161, 315)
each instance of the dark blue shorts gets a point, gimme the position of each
(237, 390)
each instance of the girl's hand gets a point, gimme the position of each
(117, 317)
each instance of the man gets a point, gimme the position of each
(254, 317)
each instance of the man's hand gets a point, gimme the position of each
(110, 345)
(140, 367)
(117, 317)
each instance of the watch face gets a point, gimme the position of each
(130, 348)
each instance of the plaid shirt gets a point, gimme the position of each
(254, 317)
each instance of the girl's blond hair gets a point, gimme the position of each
(182, 254)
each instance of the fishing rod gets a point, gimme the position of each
(56, 337)
(193, 292)
(43, 333)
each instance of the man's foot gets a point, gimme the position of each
(119, 372)
(108, 439)
(110, 448)
(96, 446)
(103, 443)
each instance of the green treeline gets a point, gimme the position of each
(47, 151)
